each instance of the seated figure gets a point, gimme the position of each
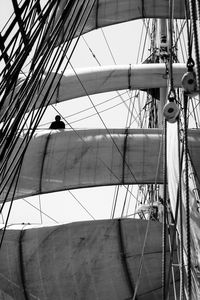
(57, 124)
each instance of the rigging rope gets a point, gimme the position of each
(98, 62)
(180, 201)
(40, 211)
(11, 129)
(193, 16)
(164, 233)
(189, 279)
(21, 263)
(115, 197)
(81, 205)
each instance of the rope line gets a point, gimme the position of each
(189, 278)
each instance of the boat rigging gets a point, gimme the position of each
(106, 253)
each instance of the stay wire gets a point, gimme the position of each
(98, 62)
(129, 201)
(101, 111)
(182, 273)
(188, 245)
(114, 202)
(81, 204)
(40, 211)
(109, 48)
(91, 107)
(125, 200)
(171, 3)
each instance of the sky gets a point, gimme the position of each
(123, 41)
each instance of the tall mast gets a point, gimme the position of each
(163, 48)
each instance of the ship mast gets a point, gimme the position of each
(162, 188)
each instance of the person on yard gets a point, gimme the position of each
(57, 124)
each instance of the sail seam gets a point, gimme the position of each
(124, 155)
(124, 260)
(97, 13)
(143, 14)
(22, 265)
(129, 77)
(42, 164)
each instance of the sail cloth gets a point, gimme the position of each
(83, 260)
(100, 79)
(173, 168)
(60, 160)
(105, 13)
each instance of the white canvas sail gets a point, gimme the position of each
(89, 81)
(34, 263)
(61, 159)
(84, 260)
(106, 13)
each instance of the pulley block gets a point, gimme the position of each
(171, 112)
(189, 82)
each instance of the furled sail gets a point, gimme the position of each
(60, 160)
(85, 260)
(95, 80)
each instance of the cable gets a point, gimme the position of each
(189, 279)
(40, 211)
(109, 48)
(81, 204)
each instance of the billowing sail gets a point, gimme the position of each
(105, 13)
(85, 260)
(60, 160)
(95, 80)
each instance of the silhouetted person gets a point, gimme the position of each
(57, 124)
